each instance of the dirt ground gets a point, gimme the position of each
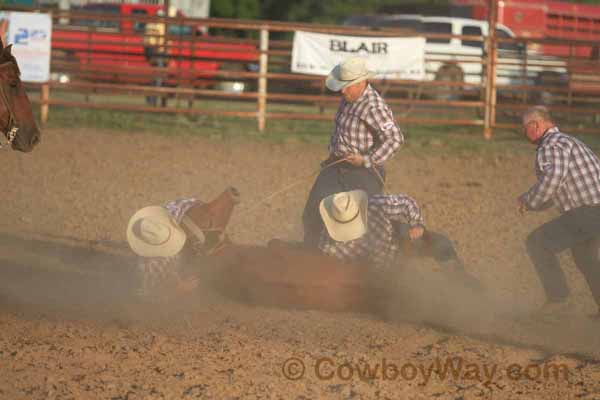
(68, 331)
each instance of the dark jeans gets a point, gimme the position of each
(159, 60)
(577, 230)
(338, 178)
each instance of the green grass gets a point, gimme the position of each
(421, 139)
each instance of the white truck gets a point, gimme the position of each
(459, 59)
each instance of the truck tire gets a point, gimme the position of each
(449, 73)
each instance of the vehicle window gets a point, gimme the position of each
(502, 34)
(437, 27)
(180, 30)
(472, 31)
(139, 26)
(106, 9)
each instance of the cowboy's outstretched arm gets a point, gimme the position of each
(398, 207)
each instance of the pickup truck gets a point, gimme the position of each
(112, 50)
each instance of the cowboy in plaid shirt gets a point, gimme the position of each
(158, 270)
(568, 174)
(371, 230)
(378, 244)
(365, 136)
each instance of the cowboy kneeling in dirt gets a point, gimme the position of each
(371, 230)
(156, 234)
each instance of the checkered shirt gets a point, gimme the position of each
(153, 271)
(366, 126)
(567, 171)
(378, 246)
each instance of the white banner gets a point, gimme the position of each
(30, 34)
(392, 58)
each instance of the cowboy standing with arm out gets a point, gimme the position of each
(365, 135)
(568, 174)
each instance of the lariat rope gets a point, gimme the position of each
(299, 181)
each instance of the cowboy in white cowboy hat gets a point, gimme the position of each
(359, 228)
(155, 234)
(365, 136)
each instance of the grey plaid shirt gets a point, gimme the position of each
(567, 171)
(366, 126)
(378, 246)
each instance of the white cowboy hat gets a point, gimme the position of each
(152, 232)
(345, 215)
(350, 71)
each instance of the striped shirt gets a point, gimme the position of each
(366, 126)
(568, 172)
(154, 271)
(378, 246)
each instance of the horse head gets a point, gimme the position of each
(212, 219)
(16, 117)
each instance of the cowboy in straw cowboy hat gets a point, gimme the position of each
(360, 227)
(156, 235)
(363, 228)
(365, 136)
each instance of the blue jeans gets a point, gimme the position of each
(577, 230)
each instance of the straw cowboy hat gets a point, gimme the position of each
(350, 71)
(345, 215)
(152, 232)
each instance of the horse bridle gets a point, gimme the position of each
(10, 133)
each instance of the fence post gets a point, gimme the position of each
(262, 79)
(44, 107)
(490, 83)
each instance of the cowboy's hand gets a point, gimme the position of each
(416, 232)
(356, 159)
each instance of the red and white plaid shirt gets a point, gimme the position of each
(567, 171)
(366, 126)
(156, 270)
(378, 246)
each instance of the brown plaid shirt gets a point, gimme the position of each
(377, 247)
(366, 126)
(567, 171)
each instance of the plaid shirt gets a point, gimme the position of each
(366, 126)
(156, 270)
(567, 171)
(377, 246)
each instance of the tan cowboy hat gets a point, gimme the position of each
(152, 232)
(350, 71)
(345, 215)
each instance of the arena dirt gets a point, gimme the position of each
(69, 329)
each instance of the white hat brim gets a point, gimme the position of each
(344, 232)
(171, 247)
(335, 84)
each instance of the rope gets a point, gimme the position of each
(288, 187)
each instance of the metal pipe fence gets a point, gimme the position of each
(108, 68)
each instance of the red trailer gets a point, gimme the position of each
(543, 19)
(114, 48)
